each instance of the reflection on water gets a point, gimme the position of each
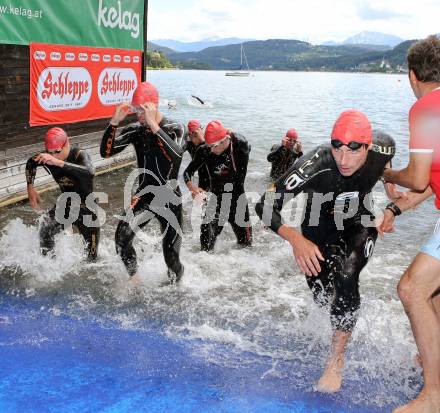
(253, 300)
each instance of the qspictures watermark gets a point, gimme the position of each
(21, 11)
(164, 198)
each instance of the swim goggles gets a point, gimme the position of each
(353, 145)
(56, 151)
(214, 145)
(137, 109)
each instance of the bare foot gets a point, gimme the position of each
(331, 379)
(425, 403)
(135, 281)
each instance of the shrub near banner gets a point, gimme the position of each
(73, 83)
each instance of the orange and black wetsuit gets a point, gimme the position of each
(158, 156)
(75, 176)
(227, 173)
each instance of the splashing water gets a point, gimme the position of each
(240, 306)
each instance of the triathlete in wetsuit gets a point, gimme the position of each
(226, 155)
(283, 156)
(73, 171)
(196, 141)
(159, 144)
(338, 226)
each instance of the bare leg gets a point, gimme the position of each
(416, 290)
(436, 301)
(331, 379)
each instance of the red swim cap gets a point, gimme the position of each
(292, 134)
(55, 139)
(352, 126)
(145, 93)
(193, 125)
(215, 132)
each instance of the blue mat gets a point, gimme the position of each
(56, 363)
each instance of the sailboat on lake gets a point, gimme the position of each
(241, 72)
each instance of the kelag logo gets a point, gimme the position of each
(64, 88)
(115, 17)
(116, 85)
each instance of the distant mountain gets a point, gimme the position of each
(153, 46)
(281, 54)
(330, 43)
(374, 38)
(197, 46)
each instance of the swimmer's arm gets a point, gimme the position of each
(112, 145)
(198, 161)
(275, 153)
(271, 204)
(31, 170)
(415, 176)
(33, 195)
(174, 149)
(171, 137)
(243, 161)
(307, 254)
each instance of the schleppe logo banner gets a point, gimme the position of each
(74, 83)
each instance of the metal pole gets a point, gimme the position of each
(144, 60)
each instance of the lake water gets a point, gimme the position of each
(254, 301)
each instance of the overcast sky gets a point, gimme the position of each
(310, 20)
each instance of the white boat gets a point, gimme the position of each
(241, 72)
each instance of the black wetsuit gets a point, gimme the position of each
(75, 176)
(282, 159)
(346, 244)
(227, 173)
(159, 155)
(203, 171)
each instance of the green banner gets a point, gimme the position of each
(99, 23)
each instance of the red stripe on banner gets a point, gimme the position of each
(74, 83)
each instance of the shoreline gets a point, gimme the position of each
(280, 71)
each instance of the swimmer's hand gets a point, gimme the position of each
(297, 147)
(134, 201)
(150, 114)
(387, 224)
(34, 197)
(198, 192)
(195, 190)
(47, 159)
(121, 112)
(307, 255)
